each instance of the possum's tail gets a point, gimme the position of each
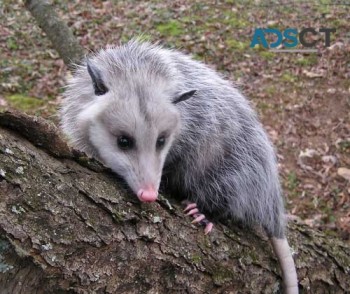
(285, 258)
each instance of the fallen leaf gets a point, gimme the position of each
(3, 102)
(311, 74)
(308, 153)
(344, 173)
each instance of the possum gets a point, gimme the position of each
(149, 113)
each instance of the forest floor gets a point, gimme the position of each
(303, 99)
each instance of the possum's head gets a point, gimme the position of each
(130, 123)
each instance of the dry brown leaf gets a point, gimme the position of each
(344, 173)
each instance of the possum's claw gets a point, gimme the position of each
(198, 218)
(208, 228)
(191, 209)
(190, 206)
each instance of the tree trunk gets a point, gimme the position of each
(57, 31)
(70, 226)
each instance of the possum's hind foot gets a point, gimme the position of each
(191, 209)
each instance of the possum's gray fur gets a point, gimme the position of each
(216, 152)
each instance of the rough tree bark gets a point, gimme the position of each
(70, 226)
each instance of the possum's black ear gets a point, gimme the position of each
(184, 96)
(96, 78)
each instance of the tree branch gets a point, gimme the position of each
(76, 229)
(57, 31)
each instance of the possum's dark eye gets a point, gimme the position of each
(125, 142)
(160, 142)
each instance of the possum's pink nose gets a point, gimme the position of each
(147, 195)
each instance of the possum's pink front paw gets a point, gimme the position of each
(191, 209)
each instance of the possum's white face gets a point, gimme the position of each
(131, 129)
(132, 145)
